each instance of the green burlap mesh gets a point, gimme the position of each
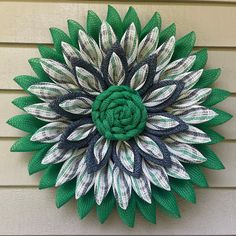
(93, 25)
(22, 102)
(201, 59)
(167, 33)
(50, 53)
(216, 96)
(25, 81)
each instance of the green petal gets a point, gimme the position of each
(208, 77)
(25, 145)
(73, 28)
(218, 120)
(196, 175)
(201, 59)
(65, 192)
(93, 25)
(113, 18)
(128, 216)
(132, 17)
(22, 102)
(184, 46)
(59, 36)
(155, 21)
(184, 188)
(167, 200)
(147, 210)
(49, 177)
(105, 208)
(85, 204)
(37, 68)
(26, 122)
(212, 162)
(35, 165)
(25, 81)
(216, 96)
(50, 53)
(167, 33)
(213, 135)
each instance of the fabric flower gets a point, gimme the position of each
(122, 115)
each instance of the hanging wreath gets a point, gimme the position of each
(120, 115)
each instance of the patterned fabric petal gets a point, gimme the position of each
(90, 48)
(115, 70)
(178, 67)
(70, 52)
(191, 98)
(103, 182)
(129, 43)
(81, 132)
(49, 133)
(186, 153)
(107, 37)
(43, 111)
(177, 170)
(192, 136)
(148, 45)
(195, 115)
(84, 180)
(164, 53)
(156, 174)
(121, 184)
(69, 170)
(140, 77)
(142, 187)
(59, 74)
(47, 92)
(80, 105)
(158, 96)
(88, 82)
(101, 148)
(125, 154)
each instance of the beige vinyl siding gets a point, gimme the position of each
(27, 211)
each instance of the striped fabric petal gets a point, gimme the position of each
(192, 136)
(115, 70)
(69, 170)
(43, 111)
(186, 153)
(129, 43)
(160, 122)
(101, 148)
(59, 74)
(80, 105)
(47, 92)
(195, 115)
(156, 175)
(164, 53)
(103, 182)
(150, 147)
(121, 184)
(107, 37)
(125, 154)
(49, 133)
(90, 48)
(70, 52)
(191, 98)
(140, 77)
(56, 155)
(178, 67)
(177, 170)
(84, 181)
(148, 45)
(142, 187)
(88, 82)
(158, 96)
(189, 79)
(81, 132)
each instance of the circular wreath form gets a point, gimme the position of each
(120, 115)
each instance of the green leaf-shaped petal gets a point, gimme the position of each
(65, 192)
(93, 25)
(22, 102)
(213, 135)
(25, 81)
(50, 53)
(184, 46)
(201, 59)
(167, 33)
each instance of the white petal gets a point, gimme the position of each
(81, 132)
(100, 148)
(139, 78)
